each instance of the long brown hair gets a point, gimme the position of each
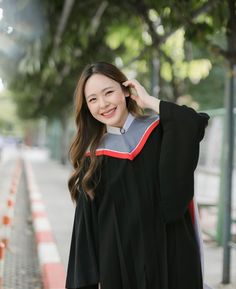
(90, 131)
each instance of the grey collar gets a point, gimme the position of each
(122, 130)
(127, 145)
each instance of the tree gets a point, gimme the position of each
(133, 34)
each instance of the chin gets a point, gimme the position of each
(112, 123)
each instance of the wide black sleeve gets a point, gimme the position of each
(82, 271)
(183, 129)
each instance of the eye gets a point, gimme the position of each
(109, 92)
(92, 99)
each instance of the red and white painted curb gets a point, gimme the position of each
(2, 253)
(7, 218)
(53, 271)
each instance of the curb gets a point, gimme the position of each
(2, 255)
(8, 216)
(52, 269)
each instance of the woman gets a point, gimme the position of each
(133, 184)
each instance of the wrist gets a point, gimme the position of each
(153, 103)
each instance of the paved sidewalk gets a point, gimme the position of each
(213, 266)
(7, 165)
(51, 179)
(21, 269)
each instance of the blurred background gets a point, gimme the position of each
(181, 51)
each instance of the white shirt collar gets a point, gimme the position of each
(122, 130)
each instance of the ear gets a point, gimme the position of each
(126, 91)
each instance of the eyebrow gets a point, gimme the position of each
(101, 91)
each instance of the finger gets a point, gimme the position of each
(133, 91)
(130, 82)
(134, 97)
(127, 84)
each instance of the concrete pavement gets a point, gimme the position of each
(51, 179)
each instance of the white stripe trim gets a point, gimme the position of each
(37, 207)
(41, 224)
(48, 253)
(35, 196)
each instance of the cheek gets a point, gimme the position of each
(92, 108)
(120, 98)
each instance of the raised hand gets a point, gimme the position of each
(140, 95)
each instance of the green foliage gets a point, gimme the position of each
(209, 92)
(120, 31)
(9, 123)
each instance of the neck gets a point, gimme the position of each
(123, 129)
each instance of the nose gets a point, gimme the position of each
(102, 102)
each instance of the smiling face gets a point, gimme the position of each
(106, 100)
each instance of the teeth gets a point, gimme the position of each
(109, 112)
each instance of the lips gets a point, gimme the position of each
(109, 112)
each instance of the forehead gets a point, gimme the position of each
(97, 82)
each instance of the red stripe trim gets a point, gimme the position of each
(136, 150)
(44, 236)
(191, 211)
(54, 276)
(38, 214)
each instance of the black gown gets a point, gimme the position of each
(138, 232)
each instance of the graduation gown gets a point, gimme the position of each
(139, 231)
